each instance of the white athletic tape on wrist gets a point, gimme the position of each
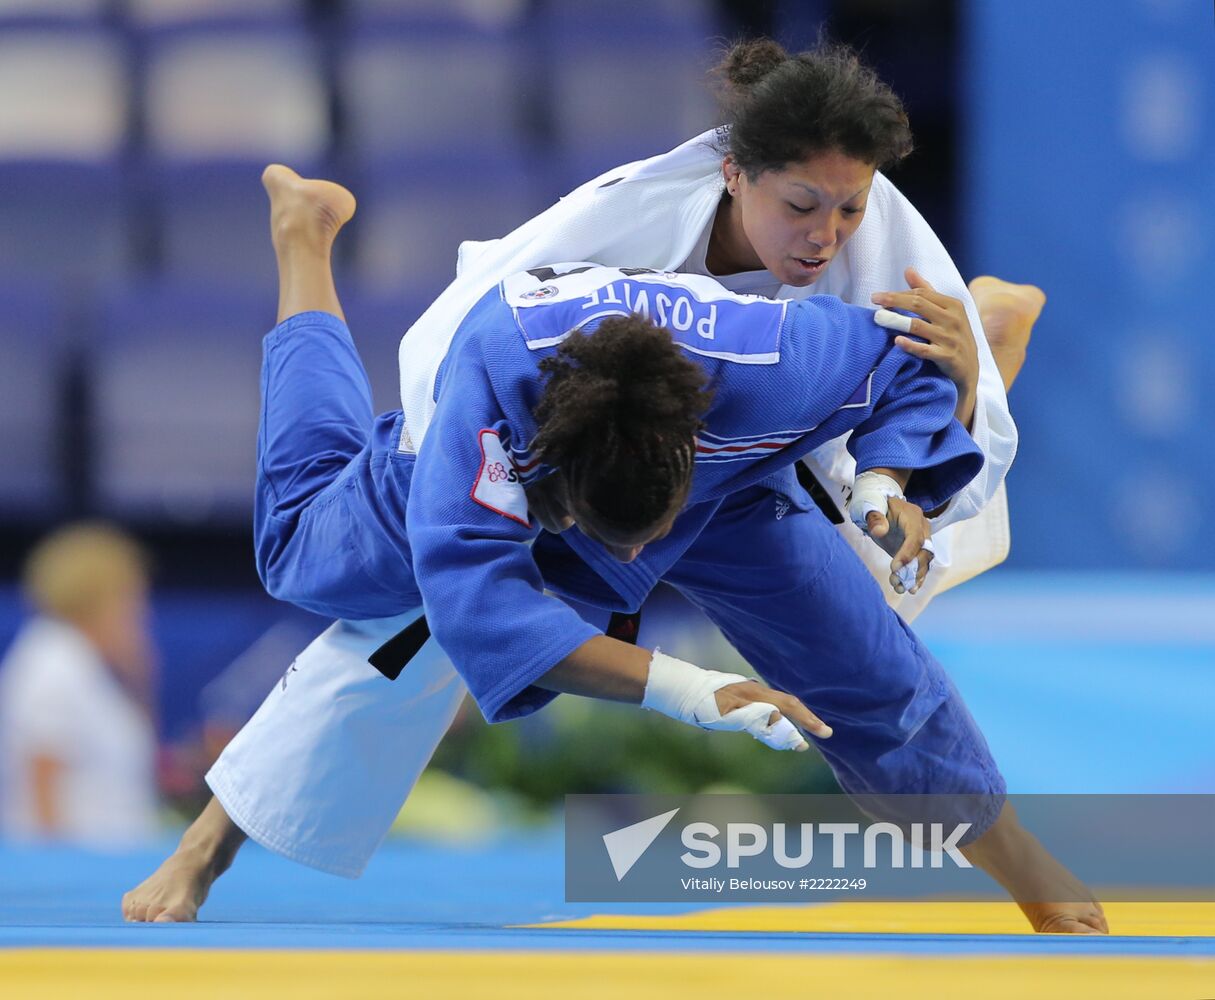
(871, 492)
(686, 692)
(892, 320)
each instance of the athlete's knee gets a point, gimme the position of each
(333, 563)
(272, 544)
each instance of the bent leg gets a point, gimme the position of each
(789, 594)
(329, 529)
(321, 770)
(316, 400)
(794, 600)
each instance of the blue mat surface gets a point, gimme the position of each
(420, 896)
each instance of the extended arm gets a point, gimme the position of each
(514, 645)
(617, 671)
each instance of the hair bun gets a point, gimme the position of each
(746, 63)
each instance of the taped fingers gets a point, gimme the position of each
(784, 735)
(892, 320)
(755, 719)
(911, 575)
(689, 693)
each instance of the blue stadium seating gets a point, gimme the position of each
(414, 214)
(66, 91)
(159, 13)
(66, 221)
(175, 396)
(626, 79)
(129, 189)
(378, 321)
(212, 221)
(31, 365)
(431, 85)
(224, 90)
(21, 13)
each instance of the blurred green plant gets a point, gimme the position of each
(581, 745)
(577, 745)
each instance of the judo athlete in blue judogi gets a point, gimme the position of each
(558, 373)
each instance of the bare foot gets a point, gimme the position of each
(305, 211)
(176, 890)
(305, 216)
(1009, 313)
(1017, 860)
(173, 893)
(1066, 918)
(1044, 877)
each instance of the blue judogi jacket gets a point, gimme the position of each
(787, 376)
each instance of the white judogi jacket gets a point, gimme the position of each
(652, 213)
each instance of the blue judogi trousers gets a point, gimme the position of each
(768, 569)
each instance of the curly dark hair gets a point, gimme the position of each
(619, 416)
(785, 108)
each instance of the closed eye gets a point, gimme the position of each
(800, 210)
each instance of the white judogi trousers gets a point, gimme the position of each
(321, 770)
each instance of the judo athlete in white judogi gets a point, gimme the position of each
(355, 515)
(660, 213)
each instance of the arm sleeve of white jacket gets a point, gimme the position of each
(992, 428)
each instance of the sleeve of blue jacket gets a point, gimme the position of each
(907, 404)
(912, 426)
(470, 533)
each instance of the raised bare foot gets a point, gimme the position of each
(1008, 311)
(303, 210)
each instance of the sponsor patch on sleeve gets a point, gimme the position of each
(497, 486)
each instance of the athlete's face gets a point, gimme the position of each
(624, 546)
(795, 220)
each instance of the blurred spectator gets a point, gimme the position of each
(77, 742)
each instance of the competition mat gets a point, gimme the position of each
(491, 920)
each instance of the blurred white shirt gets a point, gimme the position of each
(59, 699)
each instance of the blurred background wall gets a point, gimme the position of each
(1090, 169)
(1056, 144)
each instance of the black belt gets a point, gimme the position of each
(394, 656)
(821, 498)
